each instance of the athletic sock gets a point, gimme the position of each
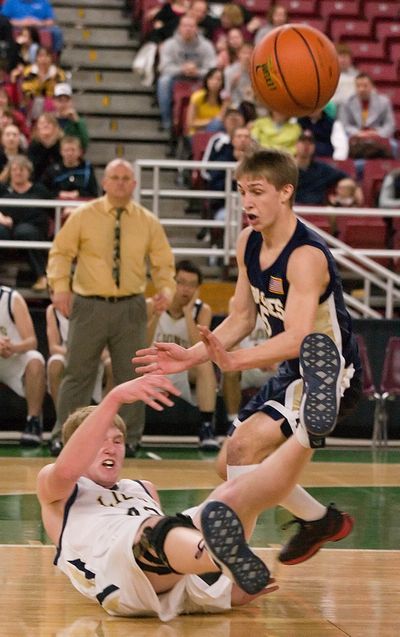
(233, 471)
(302, 505)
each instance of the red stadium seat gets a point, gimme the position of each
(363, 232)
(390, 382)
(298, 10)
(394, 93)
(349, 29)
(369, 389)
(256, 7)
(338, 8)
(199, 143)
(323, 222)
(381, 10)
(374, 173)
(317, 23)
(394, 52)
(387, 32)
(182, 91)
(365, 50)
(380, 72)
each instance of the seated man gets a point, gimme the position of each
(115, 543)
(179, 325)
(21, 365)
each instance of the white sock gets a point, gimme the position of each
(302, 435)
(303, 505)
(233, 471)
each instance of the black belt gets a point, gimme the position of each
(109, 299)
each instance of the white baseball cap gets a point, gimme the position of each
(62, 89)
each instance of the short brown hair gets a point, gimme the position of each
(75, 419)
(276, 166)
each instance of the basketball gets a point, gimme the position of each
(294, 70)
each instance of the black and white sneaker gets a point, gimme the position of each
(224, 539)
(32, 434)
(207, 439)
(321, 367)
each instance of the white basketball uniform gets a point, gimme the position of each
(171, 330)
(254, 377)
(96, 553)
(12, 369)
(63, 325)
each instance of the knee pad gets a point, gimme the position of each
(154, 538)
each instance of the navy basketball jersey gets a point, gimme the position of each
(270, 289)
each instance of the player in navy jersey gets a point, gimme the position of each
(286, 274)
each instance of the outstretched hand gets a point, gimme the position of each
(162, 358)
(215, 350)
(239, 597)
(152, 389)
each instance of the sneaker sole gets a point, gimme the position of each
(30, 441)
(226, 544)
(321, 367)
(344, 531)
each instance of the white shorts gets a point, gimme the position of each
(181, 382)
(98, 386)
(12, 369)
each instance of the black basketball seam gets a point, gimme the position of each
(283, 77)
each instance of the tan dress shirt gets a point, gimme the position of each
(88, 238)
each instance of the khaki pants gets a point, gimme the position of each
(95, 324)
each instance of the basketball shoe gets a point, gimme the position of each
(32, 434)
(311, 536)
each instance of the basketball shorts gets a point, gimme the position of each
(280, 397)
(12, 370)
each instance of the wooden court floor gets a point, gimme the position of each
(348, 589)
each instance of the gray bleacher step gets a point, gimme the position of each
(121, 81)
(100, 153)
(111, 37)
(94, 58)
(96, 17)
(108, 104)
(119, 128)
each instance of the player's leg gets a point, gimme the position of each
(206, 397)
(55, 371)
(34, 387)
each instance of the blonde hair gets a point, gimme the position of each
(75, 419)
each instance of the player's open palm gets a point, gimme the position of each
(152, 389)
(162, 358)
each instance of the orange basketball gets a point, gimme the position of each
(294, 69)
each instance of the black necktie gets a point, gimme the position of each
(117, 246)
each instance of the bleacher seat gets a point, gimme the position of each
(366, 50)
(256, 7)
(380, 72)
(322, 222)
(387, 32)
(341, 29)
(317, 23)
(182, 91)
(199, 143)
(339, 8)
(374, 172)
(299, 10)
(363, 232)
(381, 10)
(369, 389)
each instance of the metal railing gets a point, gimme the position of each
(357, 261)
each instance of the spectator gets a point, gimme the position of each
(238, 84)
(276, 131)
(34, 13)
(389, 196)
(179, 325)
(316, 178)
(228, 47)
(232, 119)
(57, 335)
(321, 126)
(277, 16)
(368, 116)
(9, 57)
(165, 19)
(38, 83)
(207, 105)
(25, 224)
(28, 42)
(236, 16)
(10, 148)
(206, 23)
(44, 148)
(111, 239)
(345, 194)
(348, 73)
(21, 365)
(73, 177)
(236, 383)
(186, 55)
(67, 117)
(13, 115)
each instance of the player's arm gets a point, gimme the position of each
(56, 481)
(53, 333)
(308, 277)
(24, 324)
(168, 358)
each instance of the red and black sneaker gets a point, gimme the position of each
(311, 536)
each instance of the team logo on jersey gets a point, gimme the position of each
(275, 285)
